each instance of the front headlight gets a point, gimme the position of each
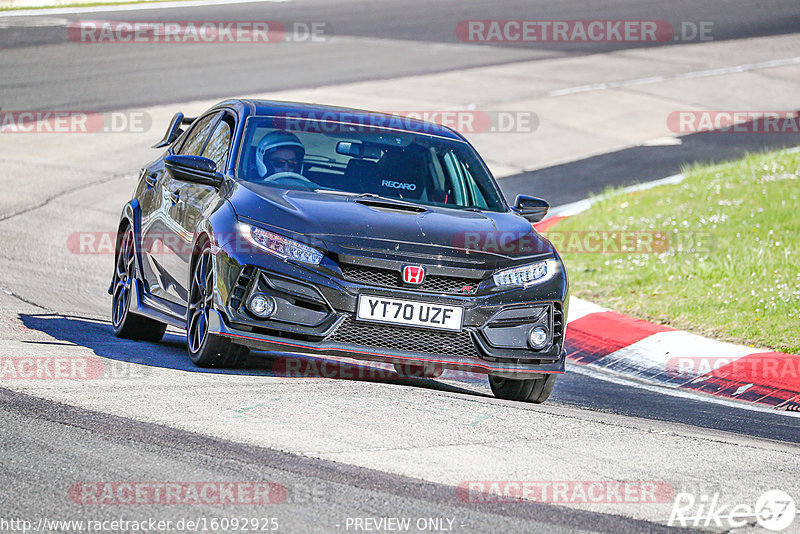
(279, 245)
(527, 275)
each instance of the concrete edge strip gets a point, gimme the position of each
(659, 354)
(114, 7)
(655, 353)
(573, 208)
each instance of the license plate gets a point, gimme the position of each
(409, 312)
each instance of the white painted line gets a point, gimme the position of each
(433, 47)
(581, 308)
(573, 208)
(669, 180)
(36, 22)
(128, 7)
(663, 141)
(624, 380)
(661, 351)
(683, 76)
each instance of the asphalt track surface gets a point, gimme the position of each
(369, 40)
(607, 396)
(47, 446)
(320, 495)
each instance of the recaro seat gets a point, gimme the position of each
(403, 172)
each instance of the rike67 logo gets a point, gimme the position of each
(774, 510)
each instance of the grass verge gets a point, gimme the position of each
(717, 254)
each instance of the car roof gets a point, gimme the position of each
(302, 110)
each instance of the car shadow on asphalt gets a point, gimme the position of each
(97, 336)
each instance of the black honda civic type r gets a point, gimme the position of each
(330, 231)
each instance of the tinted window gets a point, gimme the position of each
(197, 136)
(352, 158)
(218, 144)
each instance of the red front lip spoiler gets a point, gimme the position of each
(219, 327)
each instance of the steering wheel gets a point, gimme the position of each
(289, 176)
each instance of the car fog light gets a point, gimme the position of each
(537, 338)
(261, 305)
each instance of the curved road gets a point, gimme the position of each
(346, 448)
(363, 40)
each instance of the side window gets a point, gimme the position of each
(195, 139)
(478, 200)
(456, 179)
(219, 144)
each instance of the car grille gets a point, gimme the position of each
(374, 276)
(405, 339)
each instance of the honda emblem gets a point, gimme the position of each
(413, 274)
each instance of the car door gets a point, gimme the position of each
(176, 239)
(155, 232)
(152, 225)
(195, 199)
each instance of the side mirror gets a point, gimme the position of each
(174, 130)
(532, 208)
(195, 169)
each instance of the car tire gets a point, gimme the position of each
(535, 390)
(206, 349)
(124, 323)
(426, 370)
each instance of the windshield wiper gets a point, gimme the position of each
(335, 192)
(366, 196)
(372, 197)
(387, 200)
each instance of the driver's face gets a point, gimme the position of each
(283, 160)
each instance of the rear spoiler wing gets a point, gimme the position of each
(174, 129)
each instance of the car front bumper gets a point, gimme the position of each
(316, 316)
(258, 341)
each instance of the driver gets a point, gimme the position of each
(279, 151)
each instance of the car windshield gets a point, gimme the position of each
(338, 157)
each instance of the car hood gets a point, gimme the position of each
(350, 224)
